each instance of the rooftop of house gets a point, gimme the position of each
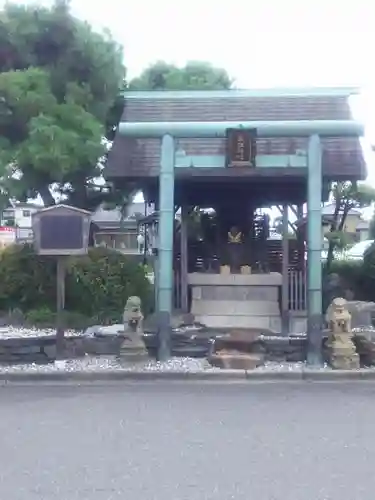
(329, 209)
(363, 224)
(113, 218)
(101, 215)
(24, 206)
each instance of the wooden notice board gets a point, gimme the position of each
(241, 147)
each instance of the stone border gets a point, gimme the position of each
(308, 375)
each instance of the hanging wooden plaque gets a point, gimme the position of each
(241, 147)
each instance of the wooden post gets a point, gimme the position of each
(184, 259)
(60, 306)
(285, 273)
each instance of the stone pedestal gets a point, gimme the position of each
(133, 350)
(236, 300)
(343, 356)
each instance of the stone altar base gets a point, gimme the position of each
(234, 352)
(233, 360)
(237, 300)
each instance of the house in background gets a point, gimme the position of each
(19, 216)
(355, 226)
(112, 231)
(363, 230)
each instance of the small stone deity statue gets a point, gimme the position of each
(133, 346)
(235, 249)
(342, 350)
(339, 318)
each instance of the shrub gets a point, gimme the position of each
(355, 277)
(27, 281)
(369, 273)
(97, 285)
(46, 318)
(41, 317)
(102, 281)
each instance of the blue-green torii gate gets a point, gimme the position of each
(168, 131)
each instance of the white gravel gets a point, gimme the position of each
(90, 363)
(95, 364)
(11, 332)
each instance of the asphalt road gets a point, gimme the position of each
(188, 441)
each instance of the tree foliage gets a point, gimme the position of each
(372, 227)
(59, 96)
(347, 196)
(195, 75)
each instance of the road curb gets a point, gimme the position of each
(274, 376)
(97, 376)
(313, 375)
(332, 375)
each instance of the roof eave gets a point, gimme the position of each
(243, 93)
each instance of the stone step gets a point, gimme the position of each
(234, 308)
(271, 323)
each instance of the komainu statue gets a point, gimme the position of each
(342, 351)
(133, 346)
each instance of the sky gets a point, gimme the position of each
(261, 44)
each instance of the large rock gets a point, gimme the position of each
(361, 312)
(103, 331)
(179, 321)
(364, 341)
(280, 348)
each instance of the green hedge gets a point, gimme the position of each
(97, 285)
(357, 276)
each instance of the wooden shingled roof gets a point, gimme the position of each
(140, 158)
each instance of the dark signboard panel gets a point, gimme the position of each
(241, 147)
(61, 232)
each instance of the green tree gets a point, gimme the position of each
(59, 97)
(194, 75)
(347, 196)
(371, 232)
